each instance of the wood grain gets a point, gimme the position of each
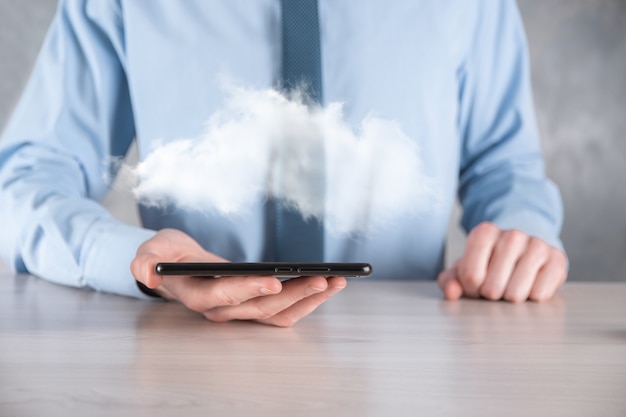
(376, 349)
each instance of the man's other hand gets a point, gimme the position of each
(504, 265)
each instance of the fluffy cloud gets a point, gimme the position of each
(263, 144)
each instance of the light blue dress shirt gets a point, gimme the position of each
(453, 74)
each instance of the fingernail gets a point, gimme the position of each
(267, 291)
(312, 290)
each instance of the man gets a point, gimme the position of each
(454, 75)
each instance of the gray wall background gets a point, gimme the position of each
(578, 55)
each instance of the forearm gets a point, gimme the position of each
(514, 195)
(53, 230)
(74, 116)
(502, 177)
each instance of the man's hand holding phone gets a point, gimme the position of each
(260, 298)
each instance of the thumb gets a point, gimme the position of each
(142, 268)
(449, 283)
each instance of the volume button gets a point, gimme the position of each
(313, 270)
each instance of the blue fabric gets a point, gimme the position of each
(299, 239)
(453, 74)
(301, 64)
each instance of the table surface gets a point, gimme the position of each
(376, 349)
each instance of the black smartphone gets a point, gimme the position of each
(280, 269)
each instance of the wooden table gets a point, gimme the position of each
(376, 349)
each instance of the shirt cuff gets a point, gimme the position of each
(110, 248)
(532, 225)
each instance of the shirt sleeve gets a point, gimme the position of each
(502, 175)
(73, 119)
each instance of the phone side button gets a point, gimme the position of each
(283, 269)
(313, 270)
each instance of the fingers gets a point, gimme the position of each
(528, 266)
(550, 277)
(297, 298)
(474, 263)
(167, 245)
(205, 294)
(449, 283)
(142, 268)
(172, 245)
(507, 251)
(453, 290)
(507, 265)
(307, 305)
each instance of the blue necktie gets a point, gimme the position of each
(298, 239)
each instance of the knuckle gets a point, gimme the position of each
(259, 310)
(217, 315)
(486, 228)
(536, 251)
(470, 275)
(151, 245)
(513, 237)
(491, 292)
(262, 314)
(536, 244)
(225, 298)
(559, 256)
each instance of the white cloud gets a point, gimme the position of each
(263, 144)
